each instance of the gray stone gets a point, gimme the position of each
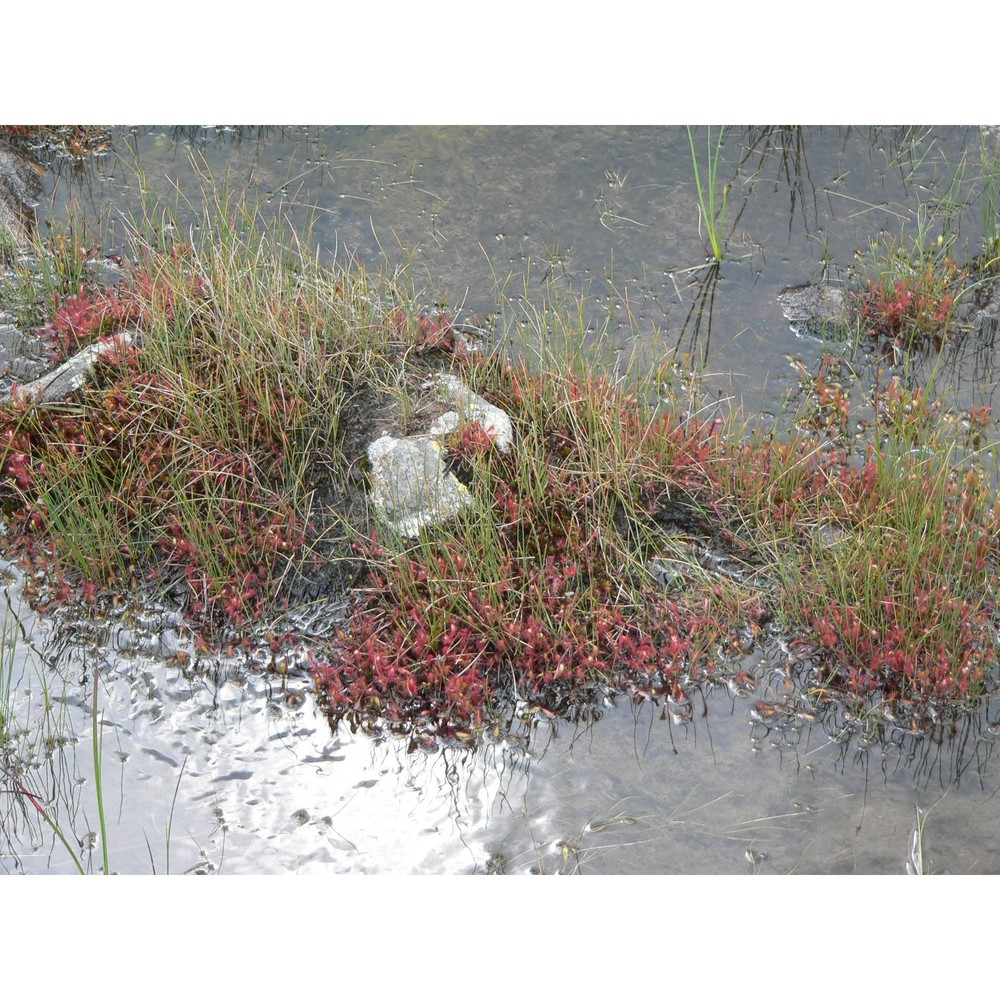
(70, 375)
(411, 488)
(817, 310)
(986, 318)
(471, 408)
(20, 185)
(666, 573)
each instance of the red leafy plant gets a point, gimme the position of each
(141, 472)
(914, 308)
(527, 597)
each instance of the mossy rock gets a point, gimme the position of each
(822, 311)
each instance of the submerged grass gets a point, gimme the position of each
(97, 743)
(36, 745)
(25, 739)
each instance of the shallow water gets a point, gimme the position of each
(550, 214)
(217, 767)
(220, 768)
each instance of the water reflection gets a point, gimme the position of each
(695, 340)
(220, 768)
(783, 149)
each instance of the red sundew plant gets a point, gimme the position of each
(432, 331)
(469, 443)
(81, 319)
(828, 404)
(980, 416)
(907, 656)
(90, 312)
(528, 597)
(533, 636)
(181, 475)
(902, 605)
(435, 332)
(913, 308)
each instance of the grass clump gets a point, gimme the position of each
(711, 200)
(59, 276)
(912, 294)
(990, 179)
(912, 302)
(542, 593)
(886, 555)
(192, 457)
(876, 561)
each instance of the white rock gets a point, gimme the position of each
(412, 489)
(474, 409)
(70, 375)
(445, 424)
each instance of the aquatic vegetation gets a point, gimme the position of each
(631, 540)
(188, 460)
(540, 591)
(544, 593)
(896, 551)
(21, 743)
(915, 307)
(77, 141)
(711, 200)
(843, 610)
(46, 775)
(990, 180)
(97, 745)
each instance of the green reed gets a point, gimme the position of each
(713, 207)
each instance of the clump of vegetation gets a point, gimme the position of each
(913, 308)
(52, 292)
(894, 551)
(629, 541)
(192, 455)
(711, 197)
(879, 565)
(542, 592)
(76, 141)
